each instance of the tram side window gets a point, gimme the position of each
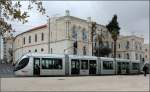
(107, 64)
(84, 64)
(135, 66)
(50, 63)
(57, 63)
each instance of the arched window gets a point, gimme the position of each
(35, 50)
(29, 50)
(42, 36)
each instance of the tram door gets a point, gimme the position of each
(92, 67)
(119, 67)
(123, 67)
(75, 66)
(36, 66)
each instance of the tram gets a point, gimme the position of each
(33, 64)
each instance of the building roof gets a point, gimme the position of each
(45, 25)
(130, 36)
(32, 29)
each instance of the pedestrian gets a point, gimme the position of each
(145, 69)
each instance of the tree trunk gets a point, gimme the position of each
(92, 41)
(115, 56)
(115, 49)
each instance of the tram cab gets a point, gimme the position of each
(40, 64)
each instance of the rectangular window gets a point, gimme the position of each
(84, 64)
(108, 65)
(24, 41)
(57, 63)
(42, 36)
(35, 37)
(51, 63)
(84, 36)
(29, 39)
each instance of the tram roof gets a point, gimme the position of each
(81, 56)
(44, 55)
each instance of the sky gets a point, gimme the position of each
(133, 16)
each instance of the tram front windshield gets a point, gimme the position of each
(23, 63)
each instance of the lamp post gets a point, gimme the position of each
(49, 35)
(49, 31)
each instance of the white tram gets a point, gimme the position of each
(53, 64)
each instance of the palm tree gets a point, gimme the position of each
(113, 28)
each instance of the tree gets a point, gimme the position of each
(104, 51)
(113, 28)
(11, 10)
(93, 30)
(101, 50)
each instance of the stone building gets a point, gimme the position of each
(146, 52)
(61, 35)
(130, 47)
(71, 35)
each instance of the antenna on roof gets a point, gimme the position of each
(67, 13)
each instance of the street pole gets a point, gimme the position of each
(0, 36)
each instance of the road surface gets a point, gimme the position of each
(81, 83)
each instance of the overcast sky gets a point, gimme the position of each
(133, 16)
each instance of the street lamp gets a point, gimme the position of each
(49, 30)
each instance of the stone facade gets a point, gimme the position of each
(61, 35)
(146, 52)
(130, 47)
(72, 35)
